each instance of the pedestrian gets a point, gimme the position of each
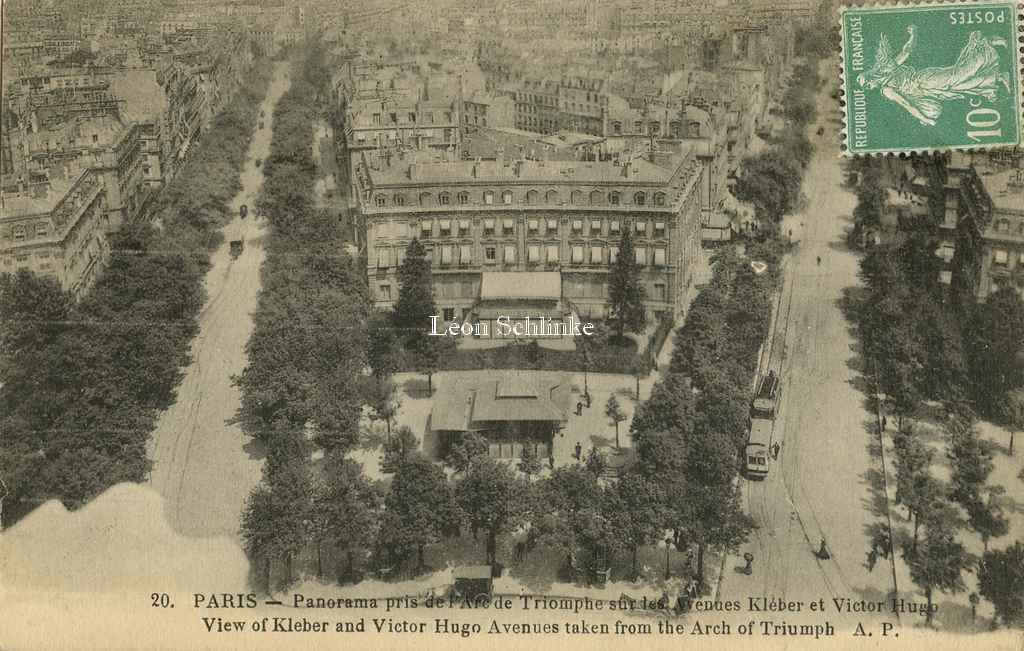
(872, 559)
(823, 551)
(579, 408)
(775, 450)
(579, 451)
(884, 545)
(884, 423)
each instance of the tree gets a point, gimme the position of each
(913, 458)
(415, 306)
(346, 510)
(986, 517)
(417, 510)
(971, 459)
(258, 530)
(938, 564)
(625, 291)
(637, 513)
(530, 464)
(493, 499)
(1001, 581)
(380, 353)
(463, 447)
(1013, 411)
(383, 399)
(615, 414)
(994, 340)
(771, 182)
(398, 448)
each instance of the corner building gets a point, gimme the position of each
(557, 217)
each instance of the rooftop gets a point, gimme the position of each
(465, 404)
(1005, 188)
(521, 171)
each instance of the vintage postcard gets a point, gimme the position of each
(511, 324)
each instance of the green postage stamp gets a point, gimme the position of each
(920, 77)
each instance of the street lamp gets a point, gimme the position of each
(668, 551)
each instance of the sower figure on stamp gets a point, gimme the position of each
(922, 93)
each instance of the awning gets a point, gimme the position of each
(577, 254)
(463, 224)
(577, 224)
(446, 224)
(510, 253)
(552, 224)
(489, 224)
(595, 254)
(595, 225)
(534, 224)
(641, 256)
(465, 254)
(659, 257)
(533, 253)
(613, 254)
(552, 253)
(508, 224)
(520, 285)
(615, 226)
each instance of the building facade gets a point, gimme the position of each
(60, 233)
(528, 216)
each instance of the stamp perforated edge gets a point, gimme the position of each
(844, 150)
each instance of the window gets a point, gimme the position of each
(533, 253)
(510, 254)
(638, 127)
(383, 258)
(595, 226)
(426, 228)
(380, 200)
(462, 198)
(946, 251)
(506, 197)
(425, 199)
(659, 257)
(385, 292)
(488, 197)
(42, 229)
(659, 229)
(412, 118)
(491, 253)
(449, 314)
(19, 233)
(1003, 225)
(376, 120)
(552, 225)
(552, 254)
(489, 226)
(946, 277)
(577, 254)
(576, 198)
(444, 198)
(641, 256)
(595, 255)
(465, 254)
(617, 128)
(613, 254)
(446, 254)
(463, 227)
(640, 228)
(508, 226)
(532, 196)
(660, 292)
(577, 225)
(613, 198)
(639, 198)
(430, 117)
(399, 199)
(551, 196)
(659, 199)
(595, 198)
(446, 227)
(1000, 256)
(533, 225)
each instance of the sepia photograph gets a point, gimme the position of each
(511, 324)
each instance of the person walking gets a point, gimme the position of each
(578, 451)
(823, 551)
(775, 450)
(872, 559)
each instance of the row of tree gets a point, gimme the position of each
(83, 382)
(928, 342)
(771, 180)
(689, 433)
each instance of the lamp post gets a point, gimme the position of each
(668, 552)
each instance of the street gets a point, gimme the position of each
(203, 465)
(825, 483)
